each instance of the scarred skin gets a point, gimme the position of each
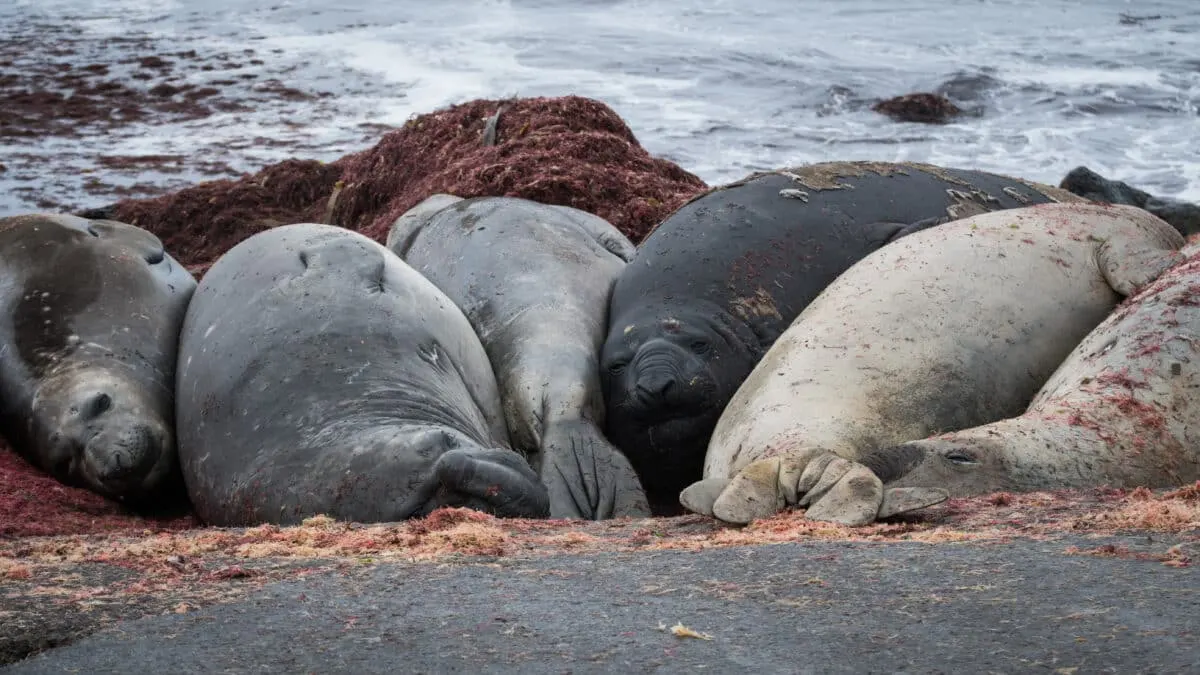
(974, 318)
(1120, 411)
(320, 374)
(716, 283)
(534, 279)
(90, 313)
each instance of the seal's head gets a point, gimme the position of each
(666, 378)
(100, 430)
(962, 465)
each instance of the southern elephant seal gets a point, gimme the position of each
(1122, 410)
(88, 331)
(320, 374)
(715, 284)
(944, 330)
(534, 280)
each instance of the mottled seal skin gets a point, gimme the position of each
(716, 283)
(320, 374)
(89, 324)
(944, 330)
(534, 280)
(1122, 410)
(1183, 216)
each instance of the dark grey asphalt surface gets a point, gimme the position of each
(812, 607)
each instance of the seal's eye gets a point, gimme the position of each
(616, 367)
(960, 457)
(700, 346)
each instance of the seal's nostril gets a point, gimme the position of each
(97, 406)
(655, 386)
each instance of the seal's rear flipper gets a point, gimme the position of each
(700, 496)
(498, 478)
(586, 476)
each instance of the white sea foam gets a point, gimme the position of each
(721, 87)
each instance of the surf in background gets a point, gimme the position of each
(188, 91)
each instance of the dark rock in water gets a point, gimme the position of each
(565, 150)
(965, 86)
(921, 107)
(1183, 216)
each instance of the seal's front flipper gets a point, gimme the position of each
(497, 478)
(832, 488)
(700, 496)
(753, 493)
(586, 477)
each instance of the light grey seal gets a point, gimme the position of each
(534, 280)
(946, 329)
(1123, 410)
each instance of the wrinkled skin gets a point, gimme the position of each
(90, 320)
(320, 374)
(716, 283)
(534, 280)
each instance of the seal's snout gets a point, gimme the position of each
(656, 385)
(122, 457)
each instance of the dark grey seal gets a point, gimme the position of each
(89, 324)
(320, 374)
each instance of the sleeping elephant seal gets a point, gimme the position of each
(534, 280)
(716, 283)
(320, 374)
(89, 326)
(943, 330)
(1122, 410)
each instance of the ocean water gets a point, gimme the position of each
(722, 87)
